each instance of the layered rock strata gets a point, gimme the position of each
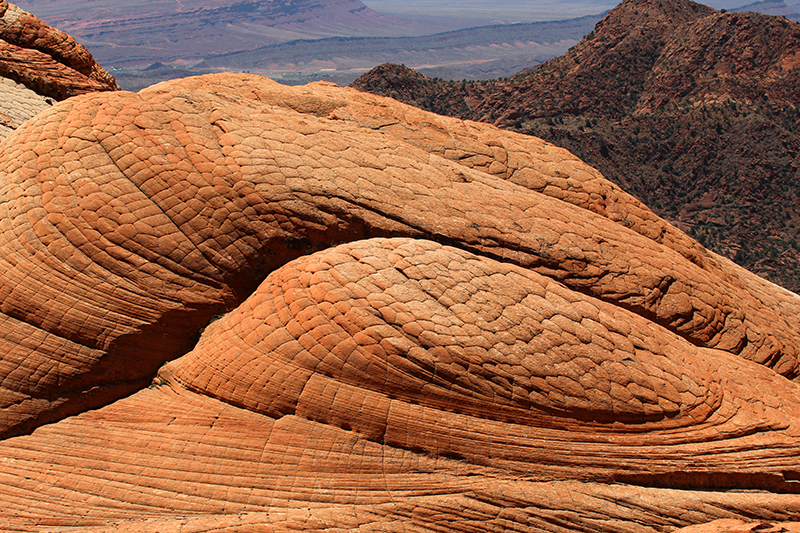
(427, 323)
(740, 526)
(47, 61)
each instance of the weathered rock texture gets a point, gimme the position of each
(18, 104)
(738, 526)
(430, 324)
(46, 60)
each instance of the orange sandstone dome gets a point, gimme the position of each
(428, 325)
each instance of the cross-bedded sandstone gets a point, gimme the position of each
(409, 386)
(740, 526)
(409, 343)
(435, 316)
(46, 60)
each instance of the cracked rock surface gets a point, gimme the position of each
(406, 322)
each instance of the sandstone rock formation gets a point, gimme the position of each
(739, 526)
(428, 324)
(46, 61)
(18, 104)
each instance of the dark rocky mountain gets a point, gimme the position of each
(693, 110)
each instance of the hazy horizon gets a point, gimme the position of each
(509, 11)
(501, 11)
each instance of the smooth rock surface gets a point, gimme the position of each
(428, 323)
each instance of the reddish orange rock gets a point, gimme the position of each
(401, 384)
(738, 526)
(428, 322)
(45, 59)
(410, 344)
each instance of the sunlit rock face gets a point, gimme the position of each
(372, 318)
(40, 64)
(732, 525)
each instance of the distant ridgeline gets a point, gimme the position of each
(473, 53)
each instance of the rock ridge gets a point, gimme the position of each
(425, 322)
(47, 60)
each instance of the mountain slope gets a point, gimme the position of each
(694, 111)
(774, 7)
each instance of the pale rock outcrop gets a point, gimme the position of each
(18, 104)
